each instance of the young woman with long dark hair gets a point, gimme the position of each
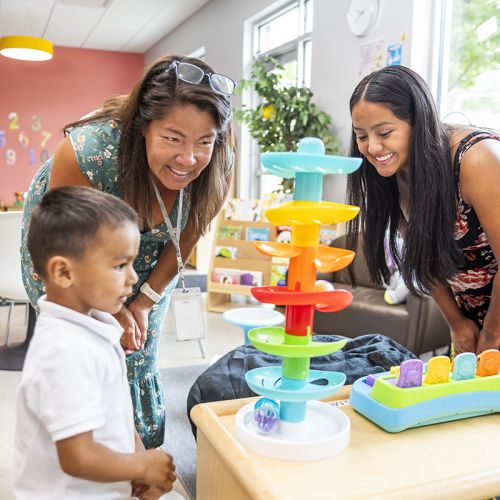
(439, 187)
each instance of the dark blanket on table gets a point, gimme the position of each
(361, 356)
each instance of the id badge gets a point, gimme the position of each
(187, 313)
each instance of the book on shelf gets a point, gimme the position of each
(226, 276)
(226, 252)
(245, 210)
(283, 234)
(250, 278)
(275, 199)
(226, 231)
(257, 234)
(278, 274)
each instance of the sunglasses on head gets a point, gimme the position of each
(190, 73)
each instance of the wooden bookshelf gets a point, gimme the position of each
(247, 258)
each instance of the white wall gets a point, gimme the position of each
(218, 26)
(336, 63)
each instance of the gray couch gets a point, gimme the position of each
(417, 324)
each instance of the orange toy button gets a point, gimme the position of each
(489, 363)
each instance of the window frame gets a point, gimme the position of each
(250, 179)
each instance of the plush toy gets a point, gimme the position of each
(19, 199)
(396, 290)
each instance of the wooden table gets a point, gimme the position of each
(459, 460)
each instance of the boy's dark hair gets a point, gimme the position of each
(67, 220)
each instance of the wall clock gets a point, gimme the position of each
(362, 16)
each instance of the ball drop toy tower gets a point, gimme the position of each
(307, 429)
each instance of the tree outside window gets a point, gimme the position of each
(474, 63)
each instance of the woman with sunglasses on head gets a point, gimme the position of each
(166, 149)
(439, 186)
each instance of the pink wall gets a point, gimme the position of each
(38, 98)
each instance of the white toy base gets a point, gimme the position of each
(325, 432)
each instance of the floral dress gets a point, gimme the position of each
(473, 285)
(96, 148)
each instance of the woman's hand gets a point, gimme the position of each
(131, 338)
(465, 336)
(140, 308)
(487, 340)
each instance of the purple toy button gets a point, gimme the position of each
(370, 380)
(410, 373)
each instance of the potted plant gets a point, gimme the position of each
(285, 114)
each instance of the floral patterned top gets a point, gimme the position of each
(473, 285)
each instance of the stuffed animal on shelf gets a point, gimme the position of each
(396, 290)
(19, 199)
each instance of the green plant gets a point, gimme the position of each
(471, 57)
(285, 114)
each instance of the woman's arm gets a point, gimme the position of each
(480, 186)
(463, 331)
(166, 269)
(80, 456)
(65, 169)
(490, 334)
(160, 277)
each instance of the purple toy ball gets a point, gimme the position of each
(266, 415)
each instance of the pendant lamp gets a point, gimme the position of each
(26, 48)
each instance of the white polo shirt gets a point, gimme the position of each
(74, 380)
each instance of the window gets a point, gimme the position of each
(284, 34)
(470, 73)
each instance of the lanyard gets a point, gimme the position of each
(174, 234)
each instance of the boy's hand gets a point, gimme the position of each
(159, 469)
(139, 488)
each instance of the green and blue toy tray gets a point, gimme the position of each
(395, 408)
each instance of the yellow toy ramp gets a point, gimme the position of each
(274, 249)
(330, 259)
(311, 212)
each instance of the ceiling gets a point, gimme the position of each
(120, 25)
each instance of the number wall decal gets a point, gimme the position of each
(32, 154)
(46, 136)
(23, 139)
(37, 123)
(14, 119)
(25, 142)
(10, 156)
(44, 156)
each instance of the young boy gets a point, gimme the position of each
(75, 435)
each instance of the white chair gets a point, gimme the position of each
(11, 286)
